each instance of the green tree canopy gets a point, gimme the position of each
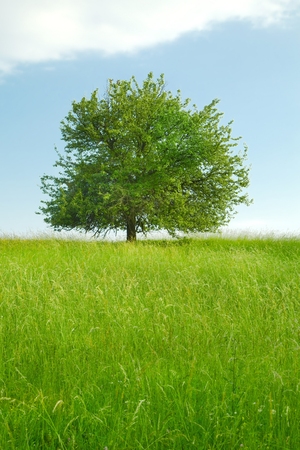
(140, 159)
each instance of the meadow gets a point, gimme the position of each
(188, 344)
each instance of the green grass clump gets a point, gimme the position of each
(190, 344)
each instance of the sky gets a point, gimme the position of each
(244, 53)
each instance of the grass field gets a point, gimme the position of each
(189, 344)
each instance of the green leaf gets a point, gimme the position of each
(139, 160)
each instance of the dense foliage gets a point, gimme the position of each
(140, 160)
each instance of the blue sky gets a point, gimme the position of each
(247, 54)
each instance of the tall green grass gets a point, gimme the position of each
(191, 344)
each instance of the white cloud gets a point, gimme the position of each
(44, 30)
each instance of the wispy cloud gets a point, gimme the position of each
(37, 31)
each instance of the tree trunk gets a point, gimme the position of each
(131, 232)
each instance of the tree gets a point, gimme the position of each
(139, 160)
